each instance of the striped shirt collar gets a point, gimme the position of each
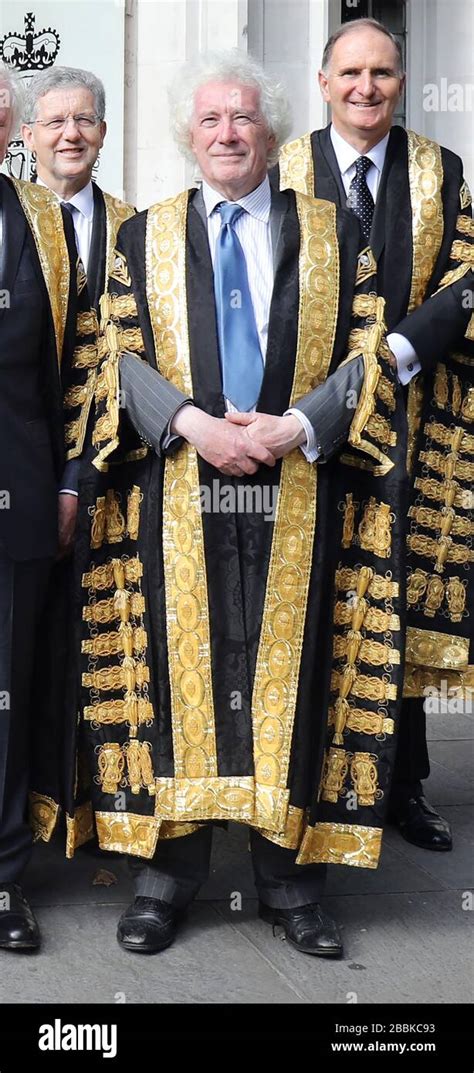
(257, 203)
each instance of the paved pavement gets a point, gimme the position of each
(406, 926)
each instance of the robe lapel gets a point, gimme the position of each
(283, 319)
(96, 281)
(327, 177)
(13, 238)
(391, 237)
(205, 364)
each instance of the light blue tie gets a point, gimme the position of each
(239, 348)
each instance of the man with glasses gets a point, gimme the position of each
(40, 295)
(64, 126)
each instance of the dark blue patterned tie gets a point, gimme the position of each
(359, 198)
(239, 347)
(73, 211)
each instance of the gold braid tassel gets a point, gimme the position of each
(111, 767)
(98, 523)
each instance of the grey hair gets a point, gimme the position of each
(59, 78)
(14, 94)
(231, 65)
(360, 24)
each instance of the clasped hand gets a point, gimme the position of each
(240, 442)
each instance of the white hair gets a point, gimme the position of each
(229, 66)
(12, 95)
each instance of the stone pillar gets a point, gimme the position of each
(288, 38)
(440, 91)
(160, 35)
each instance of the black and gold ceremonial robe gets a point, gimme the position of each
(47, 297)
(241, 642)
(422, 239)
(109, 215)
(56, 676)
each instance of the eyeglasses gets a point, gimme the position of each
(84, 122)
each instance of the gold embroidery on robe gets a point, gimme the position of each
(365, 722)
(102, 577)
(127, 833)
(420, 681)
(80, 276)
(43, 815)
(79, 828)
(366, 267)
(116, 212)
(87, 323)
(43, 212)
(465, 198)
(274, 695)
(119, 269)
(133, 675)
(337, 843)
(425, 176)
(429, 648)
(187, 609)
(363, 770)
(296, 166)
(462, 251)
(465, 225)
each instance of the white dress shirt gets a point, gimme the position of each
(346, 156)
(254, 233)
(83, 219)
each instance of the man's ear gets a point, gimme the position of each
(324, 86)
(28, 136)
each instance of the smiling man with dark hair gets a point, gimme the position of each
(414, 208)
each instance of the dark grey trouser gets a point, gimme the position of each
(23, 588)
(181, 865)
(412, 762)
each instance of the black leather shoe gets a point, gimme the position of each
(307, 927)
(420, 824)
(148, 926)
(18, 927)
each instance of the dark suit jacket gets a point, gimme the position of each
(431, 329)
(31, 418)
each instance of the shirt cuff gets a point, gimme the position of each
(407, 360)
(310, 449)
(68, 492)
(169, 439)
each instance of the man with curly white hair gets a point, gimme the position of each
(218, 547)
